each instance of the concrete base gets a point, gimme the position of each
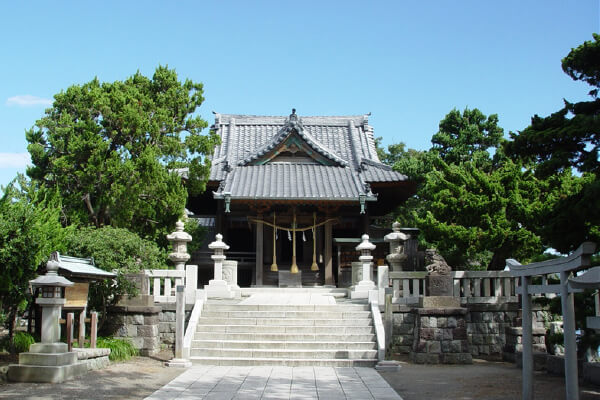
(179, 363)
(45, 374)
(361, 291)
(439, 302)
(218, 289)
(388, 366)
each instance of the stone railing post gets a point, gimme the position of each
(179, 361)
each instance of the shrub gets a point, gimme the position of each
(19, 344)
(120, 349)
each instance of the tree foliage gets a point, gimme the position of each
(117, 250)
(111, 150)
(473, 204)
(569, 138)
(30, 230)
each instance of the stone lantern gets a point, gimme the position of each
(361, 290)
(52, 298)
(396, 239)
(179, 238)
(218, 287)
(49, 360)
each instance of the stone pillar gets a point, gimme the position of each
(361, 290)
(217, 287)
(179, 238)
(179, 361)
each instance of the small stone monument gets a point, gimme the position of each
(218, 287)
(361, 290)
(179, 238)
(48, 361)
(439, 285)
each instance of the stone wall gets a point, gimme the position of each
(440, 336)
(166, 323)
(486, 329)
(137, 323)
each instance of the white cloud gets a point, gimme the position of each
(27, 100)
(14, 160)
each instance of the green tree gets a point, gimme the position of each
(472, 203)
(467, 137)
(567, 139)
(117, 250)
(112, 150)
(30, 230)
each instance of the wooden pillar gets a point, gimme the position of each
(568, 312)
(365, 225)
(218, 219)
(259, 251)
(328, 254)
(527, 339)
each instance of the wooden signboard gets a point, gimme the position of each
(77, 295)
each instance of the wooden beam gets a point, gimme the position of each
(259, 251)
(329, 254)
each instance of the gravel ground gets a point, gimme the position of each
(133, 379)
(483, 380)
(141, 376)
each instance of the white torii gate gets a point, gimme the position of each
(564, 266)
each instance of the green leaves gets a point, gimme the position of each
(109, 149)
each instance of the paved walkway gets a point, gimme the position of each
(248, 383)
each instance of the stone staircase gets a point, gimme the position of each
(290, 335)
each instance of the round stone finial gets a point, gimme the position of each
(365, 244)
(219, 237)
(179, 226)
(396, 226)
(52, 266)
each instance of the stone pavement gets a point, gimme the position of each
(265, 382)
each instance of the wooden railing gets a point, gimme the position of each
(488, 287)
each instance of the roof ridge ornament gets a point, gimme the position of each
(294, 121)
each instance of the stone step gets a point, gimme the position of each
(282, 344)
(283, 353)
(342, 330)
(288, 362)
(286, 307)
(285, 321)
(298, 337)
(287, 314)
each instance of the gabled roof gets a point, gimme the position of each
(342, 146)
(81, 267)
(293, 126)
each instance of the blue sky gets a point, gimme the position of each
(407, 62)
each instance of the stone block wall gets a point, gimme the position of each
(440, 336)
(166, 323)
(403, 327)
(486, 329)
(140, 324)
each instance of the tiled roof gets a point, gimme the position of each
(347, 141)
(82, 267)
(377, 172)
(293, 181)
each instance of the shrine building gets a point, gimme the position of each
(294, 194)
